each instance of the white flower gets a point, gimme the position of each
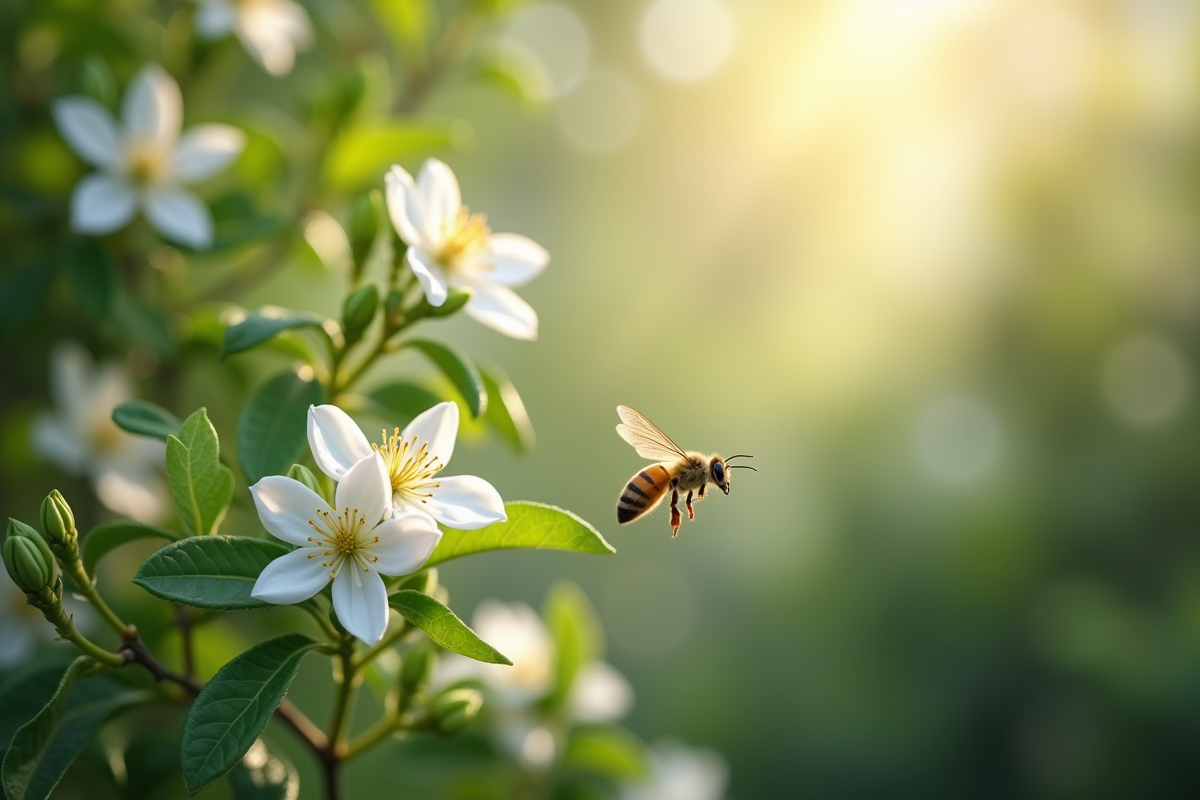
(413, 458)
(350, 544)
(81, 438)
(270, 30)
(143, 163)
(678, 772)
(449, 246)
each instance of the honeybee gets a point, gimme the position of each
(678, 470)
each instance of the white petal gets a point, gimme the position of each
(439, 189)
(293, 578)
(337, 443)
(285, 506)
(179, 215)
(366, 490)
(433, 280)
(438, 428)
(56, 442)
(271, 33)
(360, 601)
(465, 502)
(404, 205)
(600, 694)
(89, 129)
(133, 490)
(153, 108)
(101, 204)
(501, 308)
(206, 149)
(405, 543)
(516, 259)
(72, 384)
(214, 18)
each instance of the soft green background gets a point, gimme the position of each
(870, 208)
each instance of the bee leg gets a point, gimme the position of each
(703, 489)
(676, 517)
(688, 503)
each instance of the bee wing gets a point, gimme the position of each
(646, 438)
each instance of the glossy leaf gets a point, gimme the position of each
(263, 774)
(234, 707)
(213, 572)
(146, 419)
(106, 538)
(400, 403)
(273, 429)
(461, 372)
(201, 485)
(443, 626)
(529, 526)
(43, 748)
(505, 410)
(264, 323)
(93, 277)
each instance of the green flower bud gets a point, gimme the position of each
(453, 709)
(28, 559)
(358, 311)
(364, 226)
(393, 310)
(58, 523)
(418, 666)
(455, 299)
(299, 472)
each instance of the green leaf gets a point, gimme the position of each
(407, 21)
(401, 402)
(529, 526)
(461, 372)
(22, 293)
(578, 637)
(264, 775)
(213, 572)
(609, 751)
(236, 222)
(146, 419)
(93, 277)
(362, 153)
(43, 748)
(201, 485)
(233, 708)
(505, 410)
(264, 323)
(106, 538)
(516, 72)
(273, 429)
(443, 627)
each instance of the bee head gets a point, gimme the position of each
(721, 469)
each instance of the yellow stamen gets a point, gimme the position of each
(464, 236)
(410, 467)
(343, 535)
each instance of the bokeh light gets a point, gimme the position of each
(687, 40)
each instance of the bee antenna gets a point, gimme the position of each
(740, 455)
(741, 466)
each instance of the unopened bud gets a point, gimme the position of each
(58, 523)
(393, 309)
(358, 311)
(364, 226)
(455, 300)
(418, 666)
(28, 559)
(453, 709)
(301, 473)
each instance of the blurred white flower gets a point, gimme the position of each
(678, 772)
(81, 438)
(24, 626)
(270, 30)
(350, 544)
(413, 457)
(144, 162)
(449, 246)
(600, 694)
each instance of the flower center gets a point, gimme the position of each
(463, 238)
(410, 467)
(342, 537)
(145, 163)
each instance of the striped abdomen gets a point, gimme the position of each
(643, 492)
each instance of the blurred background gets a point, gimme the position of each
(934, 263)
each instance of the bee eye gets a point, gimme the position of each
(719, 471)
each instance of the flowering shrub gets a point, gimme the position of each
(357, 526)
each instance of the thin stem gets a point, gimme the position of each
(387, 641)
(183, 620)
(388, 724)
(88, 589)
(319, 617)
(340, 719)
